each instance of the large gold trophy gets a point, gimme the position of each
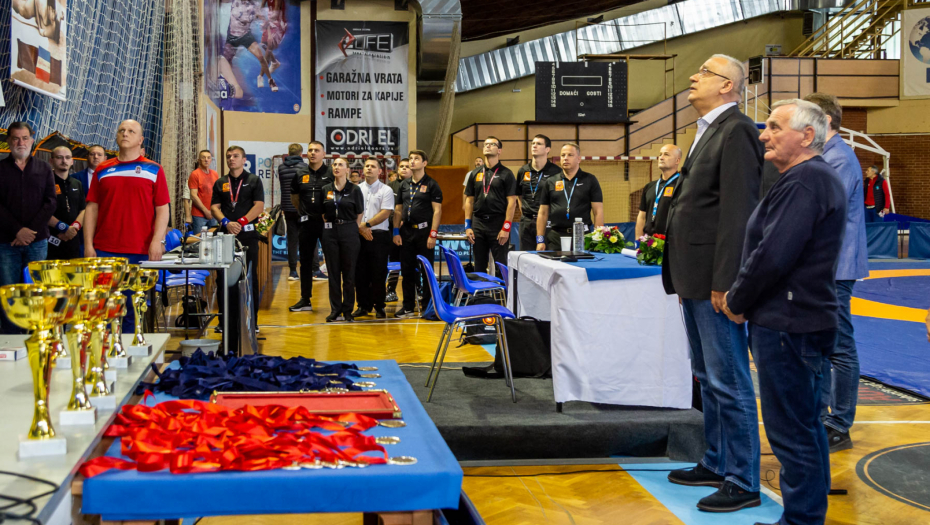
(143, 281)
(39, 308)
(116, 354)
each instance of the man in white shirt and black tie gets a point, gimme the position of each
(371, 269)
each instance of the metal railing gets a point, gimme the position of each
(858, 31)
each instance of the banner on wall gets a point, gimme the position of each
(38, 52)
(213, 133)
(915, 53)
(252, 55)
(361, 87)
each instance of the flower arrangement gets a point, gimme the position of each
(605, 240)
(264, 223)
(650, 250)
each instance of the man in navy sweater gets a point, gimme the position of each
(787, 290)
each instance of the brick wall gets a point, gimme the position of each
(910, 183)
(855, 119)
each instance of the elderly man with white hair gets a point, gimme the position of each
(787, 291)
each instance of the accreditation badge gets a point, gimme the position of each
(225, 186)
(668, 191)
(423, 188)
(329, 196)
(305, 179)
(479, 177)
(559, 186)
(526, 176)
(57, 190)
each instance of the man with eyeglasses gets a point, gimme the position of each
(719, 189)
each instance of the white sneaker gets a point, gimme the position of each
(261, 81)
(273, 65)
(274, 86)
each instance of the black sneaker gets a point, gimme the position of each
(838, 440)
(360, 312)
(302, 305)
(403, 313)
(335, 316)
(349, 318)
(729, 498)
(293, 276)
(391, 297)
(379, 313)
(320, 276)
(695, 477)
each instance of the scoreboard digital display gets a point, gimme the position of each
(578, 92)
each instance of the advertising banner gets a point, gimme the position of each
(361, 87)
(252, 55)
(38, 53)
(915, 53)
(213, 134)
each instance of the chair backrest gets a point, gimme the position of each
(456, 270)
(172, 240)
(503, 270)
(442, 309)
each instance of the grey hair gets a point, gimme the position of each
(807, 114)
(736, 72)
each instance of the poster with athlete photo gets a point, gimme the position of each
(252, 55)
(38, 52)
(361, 87)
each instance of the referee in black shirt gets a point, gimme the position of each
(238, 199)
(307, 196)
(64, 241)
(573, 194)
(490, 201)
(343, 206)
(532, 178)
(657, 194)
(417, 213)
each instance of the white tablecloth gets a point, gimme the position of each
(620, 342)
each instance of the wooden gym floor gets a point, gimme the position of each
(582, 498)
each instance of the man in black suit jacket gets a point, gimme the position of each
(720, 183)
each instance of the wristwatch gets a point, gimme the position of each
(368, 225)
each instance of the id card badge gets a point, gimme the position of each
(422, 225)
(304, 218)
(585, 227)
(248, 228)
(327, 226)
(54, 241)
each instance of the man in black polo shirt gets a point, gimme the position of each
(64, 241)
(532, 178)
(574, 194)
(307, 196)
(490, 201)
(417, 212)
(238, 199)
(657, 195)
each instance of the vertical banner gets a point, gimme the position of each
(915, 53)
(361, 87)
(38, 53)
(252, 55)
(213, 134)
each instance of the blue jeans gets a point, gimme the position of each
(13, 260)
(720, 361)
(199, 222)
(842, 392)
(129, 321)
(790, 372)
(871, 215)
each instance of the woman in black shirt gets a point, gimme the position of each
(343, 207)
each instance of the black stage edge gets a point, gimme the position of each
(479, 421)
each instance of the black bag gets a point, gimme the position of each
(529, 342)
(191, 305)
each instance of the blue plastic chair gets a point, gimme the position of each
(503, 270)
(464, 285)
(453, 315)
(172, 240)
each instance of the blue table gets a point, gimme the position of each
(434, 482)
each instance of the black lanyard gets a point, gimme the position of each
(413, 192)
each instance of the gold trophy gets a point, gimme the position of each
(39, 308)
(115, 351)
(49, 269)
(143, 281)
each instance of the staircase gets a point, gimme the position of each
(859, 30)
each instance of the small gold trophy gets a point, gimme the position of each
(38, 308)
(116, 354)
(46, 272)
(143, 281)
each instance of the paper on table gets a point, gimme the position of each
(629, 253)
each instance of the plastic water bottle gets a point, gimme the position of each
(203, 245)
(578, 235)
(206, 248)
(218, 248)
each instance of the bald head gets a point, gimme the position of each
(669, 159)
(129, 140)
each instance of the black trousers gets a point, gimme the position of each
(293, 239)
(486, 230)
(311, 231)
(527, 235)
(414, 243)
(371, 270)
(66, 250)
(340, 247)
(554, 238)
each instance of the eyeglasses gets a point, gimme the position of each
(704, 72)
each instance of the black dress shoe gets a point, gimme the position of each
(729, 498)
(379, 313)
(335, 316)
(349, 318)
(838, 440)
(695, 477)
(360, 312)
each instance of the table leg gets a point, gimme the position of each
(417, 517)
(558, 407)
(225, 314)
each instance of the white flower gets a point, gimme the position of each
(598, 236)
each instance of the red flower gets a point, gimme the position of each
(659, 236)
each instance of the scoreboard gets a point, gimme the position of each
(579, 92)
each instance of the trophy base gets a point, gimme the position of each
(31, 448)
(103, 402)
(120, 362)
(140, 351)
(63, 363)
(110, 376)
(12, 354)
(78, 417)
